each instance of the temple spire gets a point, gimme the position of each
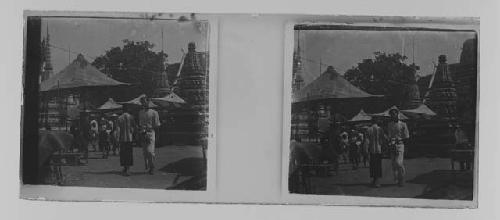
(297, 80)
(46, 62)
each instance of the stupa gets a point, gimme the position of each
(442, 95)
(191, 122)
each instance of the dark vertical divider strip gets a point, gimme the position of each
(29, 121)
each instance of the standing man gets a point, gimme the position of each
(149, 122)
(397, 132)
(125, 126)
(343, 145)
(374, 138)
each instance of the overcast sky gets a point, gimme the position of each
(343, 49)
(92, 37)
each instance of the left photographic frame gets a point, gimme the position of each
(118, 107)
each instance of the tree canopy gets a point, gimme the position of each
(134, 63)
(386, 74)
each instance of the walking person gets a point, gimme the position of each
(149, 122)
(94, 133)
(374, 138)
(125, 126)
(397, 133)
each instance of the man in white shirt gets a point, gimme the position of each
(397, 133)
(149, 122)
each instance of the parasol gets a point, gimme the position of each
(361, 116)
(110, 105)
(137, 101)
(386, 114)
(170, 99)
(422, 110)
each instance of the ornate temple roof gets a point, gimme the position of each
(78, 74)
(329, 85)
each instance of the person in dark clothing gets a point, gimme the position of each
(75, 131)
(84, 134)
(354, 147)
(364, 148)
(104, 141)
(375, 137)
(126, 127)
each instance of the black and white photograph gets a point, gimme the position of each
(116, 102)
(383, 111)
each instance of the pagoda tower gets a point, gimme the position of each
(413, 99)
(442, 94)
(160, 82)
(297, 80)
(191, 121)
(160, 79)
(193, 82)
(46, 71)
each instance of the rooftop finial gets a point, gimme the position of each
(442, 58)
(191, 47)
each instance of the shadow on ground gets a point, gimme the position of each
(193, 167)
(446, 184)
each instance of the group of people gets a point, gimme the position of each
(143, 131)
(366, 145)
(103, 135)
(121, 133)
(395, 136)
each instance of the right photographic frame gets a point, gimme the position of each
(382, 111)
